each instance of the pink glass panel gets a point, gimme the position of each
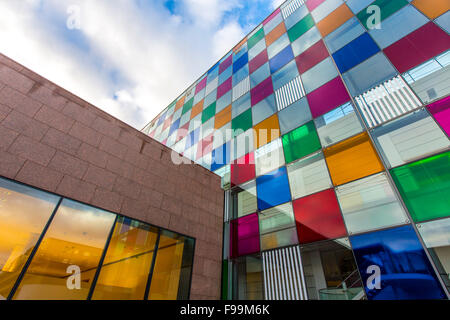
(262, 91)
(224, 87)
(441, 112)
(225, 64)
(271, 16)
(417, 47)
(311, 57)
(244, 236)
(205, 146)
(243, 169)
(312, 4)
(327, 97)
(258, 61)
(201, 85)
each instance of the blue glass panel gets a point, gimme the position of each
(242, 61)
(405, 271)
(174, 127)
(273, 189)
(344, 34)
(162, 118)
(213, 73)
(192, 138)
(241, 52)
(225, 75)
(281, 59)
(240, 75)
(220, 156)
(260, 75)
(355, 52)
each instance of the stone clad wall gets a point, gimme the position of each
(53, 140)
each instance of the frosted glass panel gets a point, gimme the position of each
(269, 157)
(244, 199)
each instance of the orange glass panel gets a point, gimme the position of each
(223, 117)
(180, 103)
(334, 20)
(352, 159)
(24, 213)
(126, 267)
(266, 131)
(277, 32)
(71, 250)
(197, 109)
(432, 8)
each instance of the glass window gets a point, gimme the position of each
(424, 186)
(432, 9)
(300, 142)
(281, 59)
(370, 204)
(225, 75)
(387, 8)
(280, 44)
(240, 105)
(338, 124)
(405, 271)
(125, 270)
(352, 159)
(273, 189)
(308, 175)
(24, 212)
(269, 157)
(244, 199)
(436, 236)
(224, 101)
(261, 91)
(294, 115)
(243, 170)
(357, 5)
(272, 23)
(411, 137)
(259, 75)
(255, 38)
(304, 42)
(277, 227)
(257, 49)
(266, 131)
(173, 267)
(330, 271)
(318, 217)
(346, 33)
(76, 238)
(247, 278)
(285, 75)
(325, 8)
(295, 16)
(444, 21)
(244, 143)
(244, 236)
(264, 109)
(318, 75)
(300, 28)
(240, 75)
(242, 122)
(208, 112)
(441, 113)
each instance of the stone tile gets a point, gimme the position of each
(47, 96)
(106, 127)
(130, 139)
(25, 125)
(7, 137)
(61, 141)
(17, 101)
(54, 119)
(76, 189)
(79, 113)
(39, 176)
(100, 177)
(69, 165)
(32, 150)
(15, 80)
(92, 155)
(120, 167)
(108, 200)
(10, 164)
(127, 188)
(158, 217)
(85, 134)
(113, 147)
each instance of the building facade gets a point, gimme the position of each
(91, 208)
(329, 126)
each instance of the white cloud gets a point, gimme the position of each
(156, 55)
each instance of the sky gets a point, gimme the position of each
(131, 58)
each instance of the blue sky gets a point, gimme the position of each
(130, 58)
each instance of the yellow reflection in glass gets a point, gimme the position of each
(23, 214)
(168, 265)
(75, 239)
(125, 271)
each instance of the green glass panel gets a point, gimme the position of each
(300, 142)
(255, 38)
(242, 122)
(300, 28)
(225, 280)
(387, 8)
(209, 112)
(188, 106)
(425, 187)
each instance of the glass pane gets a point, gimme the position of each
(273, 189)
(308, 175)
(441, 113)
(244, 236)
(244, 199)
(330, 271)
(410, 137)
(173, 267)
(404, 269)
(436, 236)
(264, 109)
(260, 75)
(319, 75)
(369, 204)
(278, 239)
(76, 238)
(352, 159)
(284, 75)
(344, 34)
(248, 283)
(424, 186)
(294, 115)
(243, 169)
(266, 131)
(300, 142)
(126, 267)
(318, 217)
(269, 157)
(337, 125)
(24, 213)
(306, 41)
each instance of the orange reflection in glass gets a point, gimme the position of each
(352, 159)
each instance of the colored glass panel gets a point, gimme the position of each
(244, 235)
(220, 156)
(209, 112)
(222, 118)
(424, 186)
(277, 32)
(432, 8)
(255, 38)
(258, 61)
(352, 159)
(197, 109)
(264, 109)
(269, 157)
(243, 169)
(225, 64)
(318, 217)
(188, 106)
(266, 131)
(308, 59)
(283, 57)
(300, 142)
(387, 8)
(300, 28)
(242, 122)
(273, 189)
(244, 200)
(349, 31)
(441, 112)
(224, 87)
(334, 20)
(405, 272)
(294, 115)
(261, 91)
(239, 63)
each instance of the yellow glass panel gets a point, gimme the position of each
(24, 213)
(432, 8)
(74, 242)
(126, 267)
(352, 159)
(170, 268)
(266, 131)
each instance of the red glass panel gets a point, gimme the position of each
(243, 169)
(311, 57)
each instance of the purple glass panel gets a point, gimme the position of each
(441, 112)
(224, 87)
(258, 61)
(201, 85)
(271, 16)
(225, 64)
(327, 97)
(262, 91)
(244, 236)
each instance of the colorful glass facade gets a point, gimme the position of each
(329, 124)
